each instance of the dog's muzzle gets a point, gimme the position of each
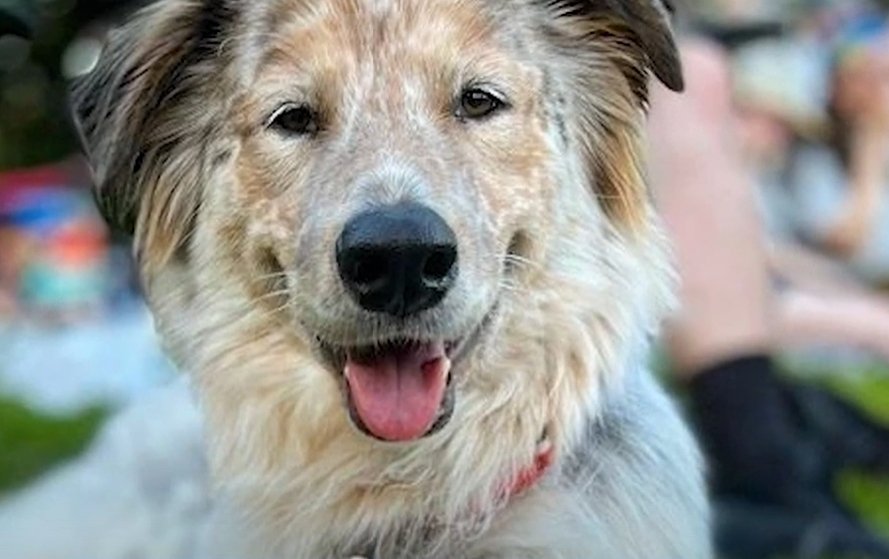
(398, 260)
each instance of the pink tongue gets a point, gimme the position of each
(398, 393)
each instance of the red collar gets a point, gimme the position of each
(529, 476)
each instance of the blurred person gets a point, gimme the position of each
(842, 190)
(775, 85)
(774, 447)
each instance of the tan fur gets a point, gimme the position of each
(560, 257)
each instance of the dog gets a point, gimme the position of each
(406, 253)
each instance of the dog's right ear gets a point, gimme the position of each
(145, 115)
(613, 47)
(638, 33)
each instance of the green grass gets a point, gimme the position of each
(869, 495)
(32, 443)
(869, 389)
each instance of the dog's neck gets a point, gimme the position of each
(523, 481)
(534, 472)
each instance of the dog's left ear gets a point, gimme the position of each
(640, 33)
(611, 48)
(651, 21)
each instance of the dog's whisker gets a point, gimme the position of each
(274, 295)
(516, 291)
(270, 314)
(511, 257)
(520, 262)
(273, 276)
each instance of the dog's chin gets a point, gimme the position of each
(401, 389)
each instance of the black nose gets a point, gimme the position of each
(398, 260)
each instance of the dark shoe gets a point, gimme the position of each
(847, 437)
(756, 531)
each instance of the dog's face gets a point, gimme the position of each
(390, 155)
(380, 183)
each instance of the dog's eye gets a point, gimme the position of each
(477, 103)
(294, 120)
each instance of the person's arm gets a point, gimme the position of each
(867, 178)
(811, 270)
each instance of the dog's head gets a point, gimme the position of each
(396, 200)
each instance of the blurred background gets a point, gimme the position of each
(76, 341)
(809, 94)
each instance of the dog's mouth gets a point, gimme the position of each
(402, 390)
(397, 392)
